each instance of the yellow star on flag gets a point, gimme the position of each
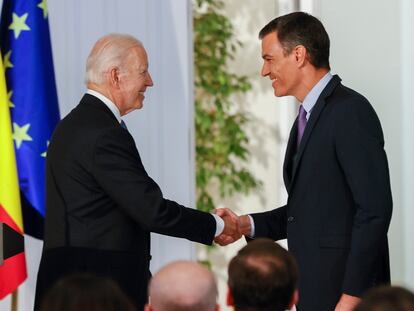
(43, 6)
(43, 154)
(20, 134)
(6, 60)
(9, 95)
(19, 24)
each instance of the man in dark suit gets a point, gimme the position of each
(101, 204)
(335, 171)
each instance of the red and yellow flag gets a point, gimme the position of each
(13, 270)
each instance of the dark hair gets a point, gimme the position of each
(84, 292)
(387, 298)
(263, 276)
(300, 28)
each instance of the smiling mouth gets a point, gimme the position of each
(274, 83)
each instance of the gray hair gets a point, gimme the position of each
(108, 52)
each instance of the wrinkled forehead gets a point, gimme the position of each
(137, 56)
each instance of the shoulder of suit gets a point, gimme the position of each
(91, 113)
(350, 108)
(347, 99)
(89, 125)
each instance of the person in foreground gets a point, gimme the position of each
(387, 298)
(263, 276)
(335, 171)
(83, 292)
(101, 205)
(183, 286)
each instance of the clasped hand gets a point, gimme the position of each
(234, 226)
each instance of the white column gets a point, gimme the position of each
(407, 70)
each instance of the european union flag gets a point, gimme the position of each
(28, 64)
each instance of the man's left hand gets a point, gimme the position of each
(347, 303)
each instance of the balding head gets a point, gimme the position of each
(117, 68)
(183, 286)
(110, 51)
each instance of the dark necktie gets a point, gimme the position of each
(301, 124)
(123, 125)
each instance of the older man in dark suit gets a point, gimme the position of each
(101, 204)
(335, 171)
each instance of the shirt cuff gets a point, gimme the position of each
(219, 225)
(252, 232)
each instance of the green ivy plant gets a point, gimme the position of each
(221, 141)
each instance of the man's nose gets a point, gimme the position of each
(265, 70)
(149, 80)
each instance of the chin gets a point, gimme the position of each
(279, 93)
(139, 105)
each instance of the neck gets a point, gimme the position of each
(105, 92)
(311, 77)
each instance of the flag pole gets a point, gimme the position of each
(14, 300)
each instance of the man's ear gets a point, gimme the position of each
(229, 298)
(148, 307)
(114, 76)
(300, 54)
(295, 299)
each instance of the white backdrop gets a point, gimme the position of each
(163, 129)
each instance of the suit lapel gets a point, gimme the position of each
(289, 155)
(315, 114)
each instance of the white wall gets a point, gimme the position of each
(163, 129)
(371, 50)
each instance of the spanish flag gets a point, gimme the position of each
(12, 269)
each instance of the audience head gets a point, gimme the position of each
(84, 292)
(183, 286)
(117, 67)
(387, 298)
(263, 276)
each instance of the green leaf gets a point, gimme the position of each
(221, 140)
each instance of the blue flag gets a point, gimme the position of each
(28, 64)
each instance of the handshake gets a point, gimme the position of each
(234, 226)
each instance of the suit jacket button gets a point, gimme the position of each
(290, 219)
